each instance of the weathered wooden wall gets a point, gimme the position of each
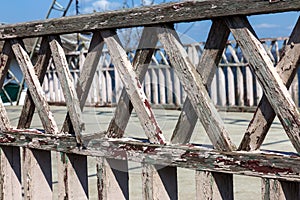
(27, 152)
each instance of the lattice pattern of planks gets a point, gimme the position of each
(214, 167)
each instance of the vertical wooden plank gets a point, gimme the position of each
(240, 87)
(231, 90)
(40, 69)
(264, 115)
(162, 85)
(221, 87)
(34, 87)
(177, 93)
(169, 86)
(249, 87)
(37, 174)
(154, 84)
(68, 87)
(278, 190)
(112, 178)
(216, 186)
(213, 89)
(10, 172)
(159, 182)
(72, 176)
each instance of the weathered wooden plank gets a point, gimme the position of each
(140, 64)
(37, 174)
(67, 85)
(40, 69)
(112, 177)
(133, 87)
(72, 176)
(263, 68)
(264, 114)
(85, 81)
(34, 87)
(277, 190)
(159, 182)
(5, 58)
(192, 83)
(282, 166)
(10, 173)
(164, 13)
(214, 186)
(209, 61)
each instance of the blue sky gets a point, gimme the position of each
(13, 11)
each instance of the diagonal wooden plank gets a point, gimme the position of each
(140, 64)
(133, 87)
(5, 58)
(263, 68)
(40, 69)
(207, 66)
(87, 75)
(193, 85)
(67, 85)
(34, 87)
(264, 114)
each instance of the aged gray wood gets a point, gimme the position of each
(263, 68)
(133, 87)
(165, 13)
(86, 77)
(193, 85)
(140, 64)
(112, 177)
(40, 69)
(282, 166)
(209, 61)
(10, 173)
(5, 58)
(277, 190)
(37, 174)
(34, 87)
(264, 114)
(214, 186)
(68, 87)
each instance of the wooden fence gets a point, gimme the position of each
(26, 165)
(234, 87)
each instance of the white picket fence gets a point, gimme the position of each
(233, 85)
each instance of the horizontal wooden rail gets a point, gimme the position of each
(284, 166)
(145, 16)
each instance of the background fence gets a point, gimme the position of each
(233, 85)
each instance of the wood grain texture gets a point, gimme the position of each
(193, 85)
(140, 64)
(209, 61)
(263, 68)
(133, 87)
(164, 13)
(85, 81)
(66, 81)
(264, 114)
(34, 87)
(40, 70)
(282, 166)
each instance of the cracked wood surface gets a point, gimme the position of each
(263, 68)
(140, 64)
(165, 13)
(40, 69)
(207, 66)
(264, 114)
(34, 87)
(133, 87)
(68, 87)
(193, 85)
